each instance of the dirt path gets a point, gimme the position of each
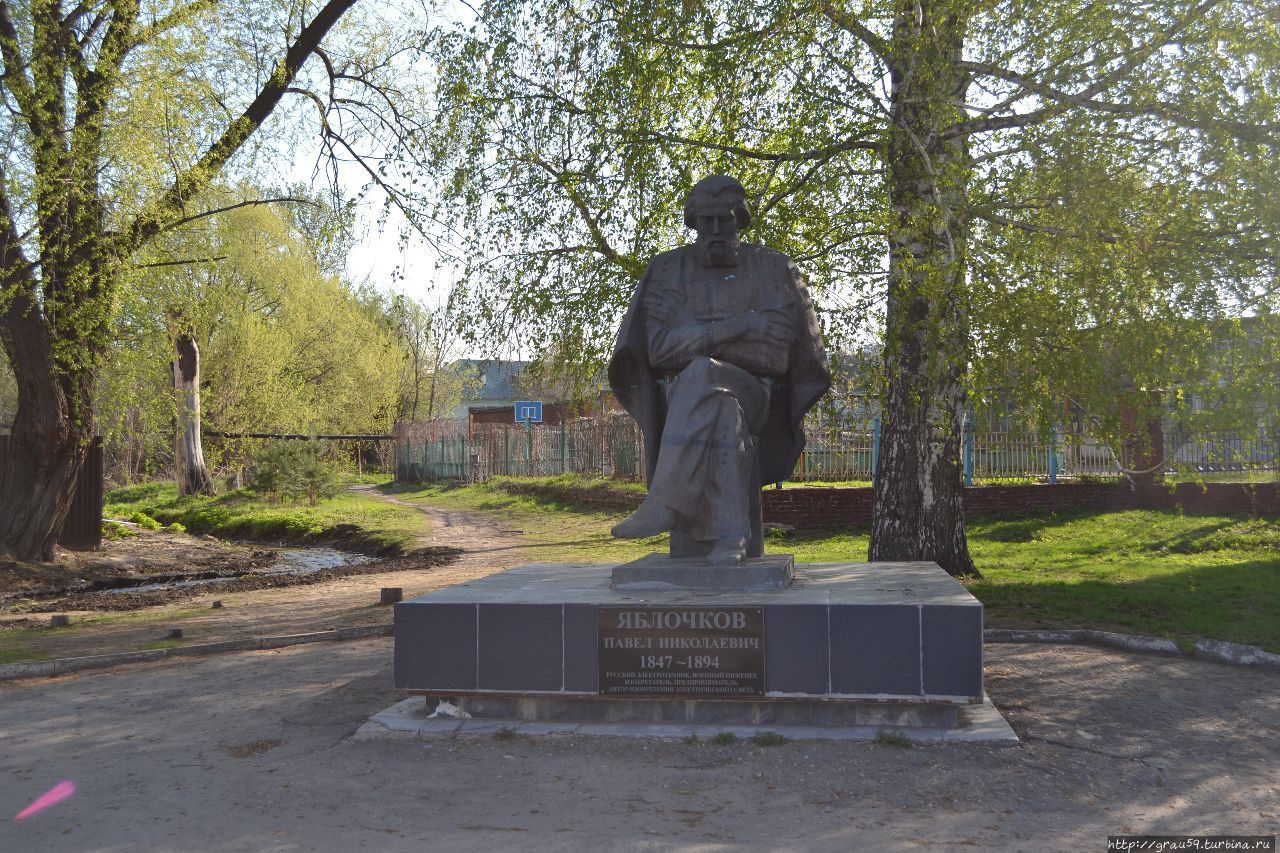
(486, 544)
(253, 752)
(352, 601)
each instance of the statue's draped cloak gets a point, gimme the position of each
(635, 380)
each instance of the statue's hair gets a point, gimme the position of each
(711, 187)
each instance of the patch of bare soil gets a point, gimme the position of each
(458, 548)
(139, 557)
(101, 580)
(424, 558)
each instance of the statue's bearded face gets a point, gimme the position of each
(717, 229)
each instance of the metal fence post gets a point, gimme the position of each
(563, 468)
(968, 451)
(875, 447)
(1053, 455)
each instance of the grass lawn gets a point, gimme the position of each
(1136, 571)
(566, 518)
(379, 526)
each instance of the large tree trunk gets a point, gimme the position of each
(188, 456)
(51, 434)
(918, 511)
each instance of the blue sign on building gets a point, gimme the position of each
(528, 411)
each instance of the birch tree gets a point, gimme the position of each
(993, 192)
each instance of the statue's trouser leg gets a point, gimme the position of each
(706, 467)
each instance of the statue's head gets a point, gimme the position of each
(716, 208)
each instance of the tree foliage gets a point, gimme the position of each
(119, 114)
(285, 347)
(1046, 201)
(429, 344)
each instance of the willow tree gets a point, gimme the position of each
(118, 114)
(1013, 184)
(284, 344)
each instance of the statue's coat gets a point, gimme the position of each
(807, 378)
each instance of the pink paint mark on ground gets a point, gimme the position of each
(55, 795)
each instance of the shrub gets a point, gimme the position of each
(112, 530)
(315, 477)
(271, 470)
(291, 470)
(144, 521)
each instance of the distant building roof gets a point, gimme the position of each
(496, 377)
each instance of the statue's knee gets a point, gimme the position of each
(699, 368)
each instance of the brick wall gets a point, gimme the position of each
(818, 507)
(811, 507)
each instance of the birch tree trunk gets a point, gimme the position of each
(188, 456)
(918, 511)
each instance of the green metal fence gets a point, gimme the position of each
(613, 447)
(610, 447)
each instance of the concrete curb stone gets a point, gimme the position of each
(1214, 650)
(60, 666)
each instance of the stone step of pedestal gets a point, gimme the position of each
(710, 711)
(981, 723)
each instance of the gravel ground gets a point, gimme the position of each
(253, 751)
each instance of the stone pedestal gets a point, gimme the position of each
(895, 645)
(663, 572)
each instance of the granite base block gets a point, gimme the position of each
(876, 644)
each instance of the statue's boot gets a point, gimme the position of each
(728, 551)
(650, 519)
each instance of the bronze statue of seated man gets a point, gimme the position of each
(718, 359)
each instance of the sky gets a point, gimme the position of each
(378, 257)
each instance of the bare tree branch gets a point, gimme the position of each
(198, 176)
(1085, 98)
(182, 262)
(1264, 134)
(850, 24)
(598, 237)
(176, 18)
(247, 203)
(14, 265)
(824, 153)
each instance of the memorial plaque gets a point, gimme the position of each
(705, 652)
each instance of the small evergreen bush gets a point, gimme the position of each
(287, 470)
